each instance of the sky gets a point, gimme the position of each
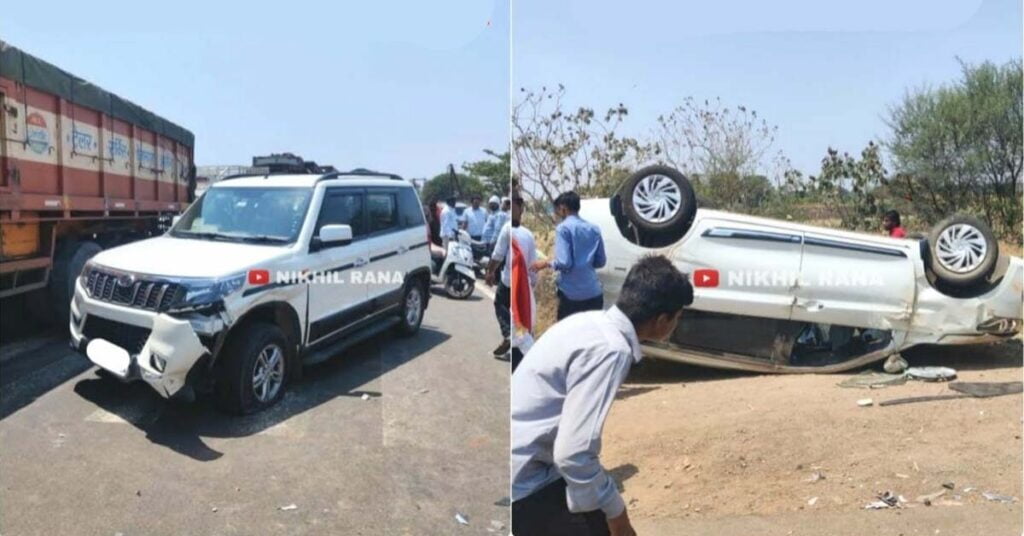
(404, 87)
(824, 72)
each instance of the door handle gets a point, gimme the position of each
(361, 261)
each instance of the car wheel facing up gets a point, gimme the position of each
(963, 250)
(659, 201)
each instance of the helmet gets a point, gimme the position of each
(494, 200)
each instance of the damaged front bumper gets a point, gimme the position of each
(134, 344)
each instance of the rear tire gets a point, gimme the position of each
(963, 251)
(251, 354)
(67, 265)
(414, 303)
(659, 201)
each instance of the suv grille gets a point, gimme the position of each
(142, 293)
(127, 336)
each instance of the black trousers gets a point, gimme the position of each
(545, 513)
(568, 307)
(502, 303)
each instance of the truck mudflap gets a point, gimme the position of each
(173, 347)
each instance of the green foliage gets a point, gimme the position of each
(493, 173)
(960, 148)
(850, 186)
(442, 186)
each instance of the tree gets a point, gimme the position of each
(493, 173)
(557, 150)
(442, 186)
(850, 186)
(960, 147)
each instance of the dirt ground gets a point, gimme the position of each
(715, 452)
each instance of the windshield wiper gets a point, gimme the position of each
(262, 239)
(200, 235)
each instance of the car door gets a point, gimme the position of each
(740, 267)
(857, 282)
(385, 273)
(337, 299)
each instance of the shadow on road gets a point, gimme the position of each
(181, 427)
(34, 364)
(440, 293)
(623, 473)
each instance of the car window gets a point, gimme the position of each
(245, 213)
(383, 211)
(410, 214)
(342, 208)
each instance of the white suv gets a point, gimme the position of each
(261, 275)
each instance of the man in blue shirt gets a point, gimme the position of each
(579, 251)
(496, 219)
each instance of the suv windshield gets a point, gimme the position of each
(262, 215)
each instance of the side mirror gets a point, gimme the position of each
(332, 235)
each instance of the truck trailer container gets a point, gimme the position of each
(81, 170)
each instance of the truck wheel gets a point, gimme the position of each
(963, 250)
(413, 304)
(255, 369)
(67, 265)
(659, 201)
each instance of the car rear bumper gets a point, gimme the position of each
(135, 344)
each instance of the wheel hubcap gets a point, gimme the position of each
(413, 306)
(657, 198)
(268, 373)
(961, 248)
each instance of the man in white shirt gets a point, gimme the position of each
(476, 217)
(501, 256)
(561, 395)
(449, 222)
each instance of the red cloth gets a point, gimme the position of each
(522, 298)
(897, 232)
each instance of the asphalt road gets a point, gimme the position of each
(84, 455)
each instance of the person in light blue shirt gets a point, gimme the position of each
(476, 217)
(497, 219)
(579, 252)
(561, 394)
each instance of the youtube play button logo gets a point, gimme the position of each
(705, 277)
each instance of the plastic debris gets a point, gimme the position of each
(214, 509)
(885, 500)
(496, 526)
(461, 519)
(865, 402)
(289, 507)
(365, 396)
(948, 485)
(815, 476)
(998, 497)
(870, 379)
(812, 501)
(931, 374)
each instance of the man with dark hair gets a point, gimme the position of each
(476, 217)
(891, 223)
(561, 394)
(501, 258)
(579, 251)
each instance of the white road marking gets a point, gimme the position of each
(485, 290)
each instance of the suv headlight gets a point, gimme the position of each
(200, 293)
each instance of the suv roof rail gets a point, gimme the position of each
(361, 172)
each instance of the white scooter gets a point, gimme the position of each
(455, 271)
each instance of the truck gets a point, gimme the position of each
(81, 170)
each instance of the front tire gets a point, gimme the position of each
(255, 370)
(458, 286)
(963, 250)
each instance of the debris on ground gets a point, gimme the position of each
(504, 501)
(214, 509)
(815, 476)
(289, 507)
(463, 520)
(496, 526)
(865, 402)
(424, 391)
(948, 485)
(927, 500)
(885, 500)
(998, 497)
(931, 374)
(365, 396)
(812, 501)
(870, 379)
(987, 389)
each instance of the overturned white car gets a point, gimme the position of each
(776, 296)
